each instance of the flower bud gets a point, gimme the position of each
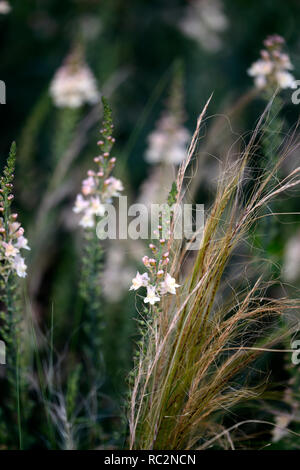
(145, 261)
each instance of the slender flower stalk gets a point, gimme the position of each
(100, 187)
(12, 267)
(157, 280)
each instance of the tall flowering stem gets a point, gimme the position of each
(157, 279)
(98, 189)
(272, 70)
(12, 267)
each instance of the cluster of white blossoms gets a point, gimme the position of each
(74, 84)
(272, 69)
(12, 242)
(99, 187)
(5, 7)
(168, 142)
(157, 280)
(204, 21)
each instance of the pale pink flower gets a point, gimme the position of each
(169, 285)
(10, 250)
(140, 280)
(96, 207)
(88, 186)
(74, 85)
(88, 220)
(80, 204)
(113, 187)
(22, 243)
(152, 296)
(20, 266)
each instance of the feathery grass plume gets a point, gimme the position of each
(12, 243)
(197, 344)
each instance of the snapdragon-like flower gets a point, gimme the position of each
(152, 297)
(157, 281)
(10, 250)
(272, 69)
(99, 187)
(140, 280)
(20, 266)
(5, 7)
(74, 84)
(169, 285)
(168, 142)
(204, 21)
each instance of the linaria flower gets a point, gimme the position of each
(169, 285)
(20, 266)
(113, 186)
(88, 220)
(272, 69)
(168, 142)
(80, 204)
(152, 296)
(74, 84)
(10, 250)
(140, 280)
(22, 243)
(96, 207)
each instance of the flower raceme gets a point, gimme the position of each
(167, 143)
(74, 84)
(99, 187)
(12, 240)
(158, 282)
(272, 69)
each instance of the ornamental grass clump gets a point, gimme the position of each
(192, 365)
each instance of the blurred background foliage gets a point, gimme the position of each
(131, 47)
